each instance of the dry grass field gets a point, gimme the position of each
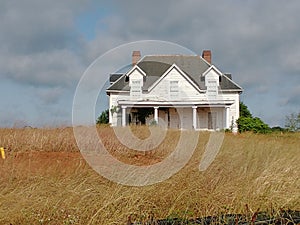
(45, 180)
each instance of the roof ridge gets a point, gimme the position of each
(174, 55)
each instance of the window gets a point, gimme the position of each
(174, 89)
(136, 88)
(212, 83)
(212, 89)
(136, 83)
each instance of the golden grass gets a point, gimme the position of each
(44, 179)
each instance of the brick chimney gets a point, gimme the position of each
(206, 54)
(136, 56)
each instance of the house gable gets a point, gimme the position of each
(174, 85)
(224, 83)
(173, 68)
(135, 78)
(211, 73)
(136, 70)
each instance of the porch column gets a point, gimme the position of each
(227, 123)
(156, 114)
(123, 115)
(194, 117)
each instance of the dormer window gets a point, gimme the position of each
(136, 88)
(212, 88)
(136, 76)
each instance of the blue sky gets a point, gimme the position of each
(45, 47)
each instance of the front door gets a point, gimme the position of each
(212, 120)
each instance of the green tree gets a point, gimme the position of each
(244, 111)
(247, 123)
(103, 118)
(292, 122)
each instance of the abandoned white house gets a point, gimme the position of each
(180, 91)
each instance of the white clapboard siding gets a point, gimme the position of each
(185, 89)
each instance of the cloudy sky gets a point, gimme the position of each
(45, 47)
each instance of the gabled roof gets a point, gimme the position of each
(154, 66)
(136, 68)
(174, 66)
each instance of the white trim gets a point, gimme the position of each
(181, 72)
(212, 68)
(136, 67)
(194, 120)
(209, 64)
(156, 114)
(227, 120)
(116, 91)
(230, 90)
(123, 115)
(211, 103)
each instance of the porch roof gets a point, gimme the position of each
(204, 103)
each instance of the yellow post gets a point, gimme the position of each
(2, 152)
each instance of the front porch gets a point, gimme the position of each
(179, 116)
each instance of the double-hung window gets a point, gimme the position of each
(136, 88)
(212, 89)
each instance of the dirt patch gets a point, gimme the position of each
(34, 163)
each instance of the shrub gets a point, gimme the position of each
(252, 124)
(103, 118)
(248, 123)
(278, 129)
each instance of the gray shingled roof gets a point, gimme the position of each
(155, 66)
(114, 77)
(119, 85)
(227, 84)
